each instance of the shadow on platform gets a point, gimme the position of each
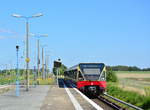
(63, 83)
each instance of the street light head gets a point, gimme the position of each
(31, 34)
(16, 15)
(37, 15)
(38, 35)
(44, 35)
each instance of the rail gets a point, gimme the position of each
(130, 105)
(125, 103)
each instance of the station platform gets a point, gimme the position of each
(65, 97)
(48, 97)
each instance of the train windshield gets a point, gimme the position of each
(91, 73)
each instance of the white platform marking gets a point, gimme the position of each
(73, 99)
(89, 100)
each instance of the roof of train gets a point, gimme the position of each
(75, 66)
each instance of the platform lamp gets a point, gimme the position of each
(17, 72)
(27, 43)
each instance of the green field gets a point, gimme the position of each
(130, 72)
(138, 81)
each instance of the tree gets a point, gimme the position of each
(62, 69)
(111, 76)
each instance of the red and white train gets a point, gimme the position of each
(90, 78)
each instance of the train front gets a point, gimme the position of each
(92, 78)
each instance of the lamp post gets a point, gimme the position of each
(43, 61)
(17, 74)
(6, 69)
(27, 43)
(46, 65)
(38, 49)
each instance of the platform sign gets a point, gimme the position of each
(27, 60)
(57, 64)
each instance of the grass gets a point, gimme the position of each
(6, 89)
(140, 79)
(137, 72)
(147, 91)
(7, 80)
(40, 81)
(134, 81)
(129, 96)
(12, 79)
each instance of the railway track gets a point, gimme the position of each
(110, 103)
(118, 100)
(113, 105)
(99, 102)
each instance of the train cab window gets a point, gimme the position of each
(80, 77)
(74, 75)
(103, 76)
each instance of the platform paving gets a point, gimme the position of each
(57, 99)
(50, 97)
(31, 100)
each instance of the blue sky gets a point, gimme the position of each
(116, 32)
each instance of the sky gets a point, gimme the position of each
(115, 32)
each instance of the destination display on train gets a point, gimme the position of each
(92, 65)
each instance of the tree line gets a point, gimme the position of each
(127, 68)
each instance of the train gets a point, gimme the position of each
(89, 78)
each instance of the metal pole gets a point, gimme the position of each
(6, 70)
(27, 55)
(57, 75)
(45, 76)
(42, 62)
(46, 66)
(38, 58)
(47, 60)
(35, 76)
(17, 74)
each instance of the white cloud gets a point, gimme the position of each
(2, 37)
(7, 33)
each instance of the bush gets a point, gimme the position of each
(111, 76)
(146, 103)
